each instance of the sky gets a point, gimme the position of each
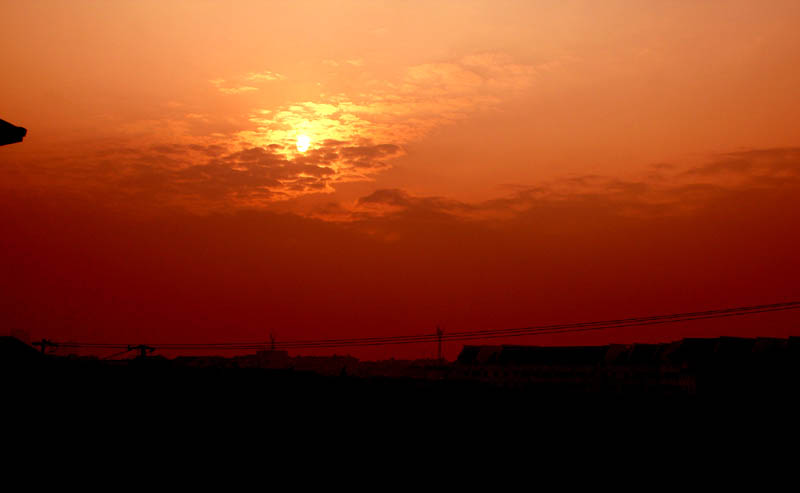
(200, 171)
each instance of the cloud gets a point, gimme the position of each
(783, 161)
(394, 201)
(264, 76)
(237, 90)
(194, 161)
(188, 155)
(207, 175)
(357, 135)
(761, 172)
(244, 84)
(398, 111)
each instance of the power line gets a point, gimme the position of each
(464, 335)
(493, 333)
(112, 356)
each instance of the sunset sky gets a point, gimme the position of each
(200, 171)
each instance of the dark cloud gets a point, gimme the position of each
(758, 161)
(210, 175)
(210, 150)
(368, 156)
(395, 197)
(763, 173)
(396, 201)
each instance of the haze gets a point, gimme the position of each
(470, 164)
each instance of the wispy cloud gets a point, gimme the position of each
(245, 83)
(761, 172)
(352, 136)
(266, 75)
(397, 111)
(194, 161)
(191, 156)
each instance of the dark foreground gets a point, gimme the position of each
(725, 370)
(156, 404)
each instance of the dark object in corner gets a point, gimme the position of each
(10, 134)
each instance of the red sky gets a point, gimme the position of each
(471, 164)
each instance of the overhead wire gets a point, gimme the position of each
(460, 335)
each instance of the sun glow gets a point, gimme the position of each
(303, 141)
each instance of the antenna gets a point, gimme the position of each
(439, 334)
(44, 344)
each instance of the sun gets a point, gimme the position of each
(303, 141)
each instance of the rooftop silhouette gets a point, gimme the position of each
(11, 134)
(693, 367)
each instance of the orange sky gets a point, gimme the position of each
(470, 163)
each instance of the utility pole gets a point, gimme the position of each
(272, 341)
(143, 350)
(439, 334)
(44, 344)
